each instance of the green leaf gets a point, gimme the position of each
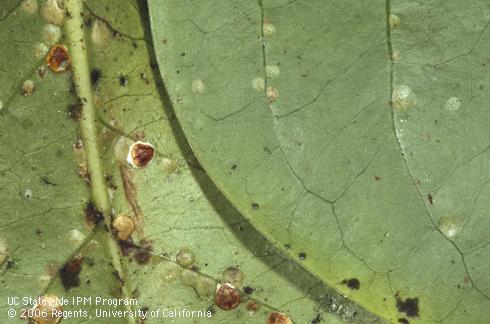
(52, 166)
(354, 134)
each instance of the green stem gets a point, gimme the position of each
(88, 126)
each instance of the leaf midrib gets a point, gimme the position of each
(88, 127)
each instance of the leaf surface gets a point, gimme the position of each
(352, 134)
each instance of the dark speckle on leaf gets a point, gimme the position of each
(87, 21)
(403, 320)
(10, 264)
(317, 319)
(47, 182)
(409, 306)
(95, 75)
(248, 290)
(255, 206)
(126, 247)
(429, 197)
(92, 214)
(123, 80)
(69, 274)
(142, 255)
(302, 255)
(75, 111)
(352, 283)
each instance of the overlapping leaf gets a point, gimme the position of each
(352, 133)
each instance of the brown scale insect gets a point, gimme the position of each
(140, 154)
(58, 59)
(227, 297)
(278, 318)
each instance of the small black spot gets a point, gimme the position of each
(10, 264)
(110, 182)
(403, 320)
(75, 111)
(317, 319)
(127, 247)
(409, 306)
(194, 268)
(248, 290)
(87, 21)
(182, 54)
(429, 197)
(302, 255)
(92, 214)
(267, 150)
(142, 255)
(377, 178)
(47, 182)
(234, 166)
(38, 231)
(69, 274)
(123, 80)
(352, 283)
(287, 246)
(95, 76)
(255, 206)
